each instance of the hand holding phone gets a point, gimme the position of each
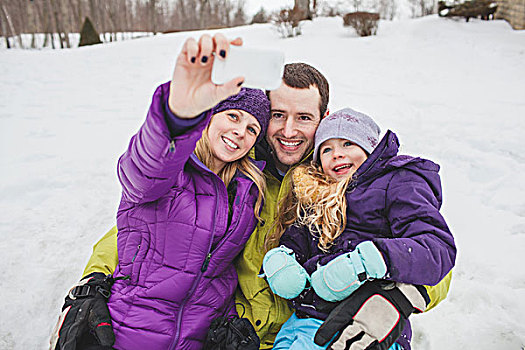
(192, 91)
(260, 68)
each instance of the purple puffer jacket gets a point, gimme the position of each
(174, 240)
(394, 202)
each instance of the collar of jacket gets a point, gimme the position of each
(385, 158)
(262, 151)
(258, 163)
(386, 149)
(261, 164)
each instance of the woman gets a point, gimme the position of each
(189, 203)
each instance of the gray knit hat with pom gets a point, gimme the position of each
(349, 125)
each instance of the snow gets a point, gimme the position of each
(452, 91)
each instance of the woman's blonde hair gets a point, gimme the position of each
(314, 200)
(244, 165)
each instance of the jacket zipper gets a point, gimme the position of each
(221, 243)
(353, 184)
(136, 253)
(206, 262)
(197, 280)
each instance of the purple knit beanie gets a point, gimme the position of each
(253, 101)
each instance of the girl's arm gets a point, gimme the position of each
(149, 167)
(297, 238)
(282, 265)
(423, 249)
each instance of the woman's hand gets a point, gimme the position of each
(192, 91)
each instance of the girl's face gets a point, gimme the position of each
(340, 158)
(232, 134)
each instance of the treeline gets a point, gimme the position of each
(62, 17)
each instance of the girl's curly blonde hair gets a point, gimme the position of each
(314, 200)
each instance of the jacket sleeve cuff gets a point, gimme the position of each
(178, 126)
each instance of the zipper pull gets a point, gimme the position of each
(206, 262)
(136, 253)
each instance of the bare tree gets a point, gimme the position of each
(33, 19)
(421, 7)
(303, 7)
(111, 12)
(387, 9)
(127, 8)
(3, 29)
(21, 12)
(57, 20)
(153, 16)
(109, 17)
(9, 22)
(76, 10)
(239, 18)
(93, 13)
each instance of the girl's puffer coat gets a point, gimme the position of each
(393, 201)
(174, 240)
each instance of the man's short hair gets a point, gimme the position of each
(302, 76)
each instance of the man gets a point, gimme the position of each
(297, 107)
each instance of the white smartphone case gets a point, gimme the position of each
(260, 68)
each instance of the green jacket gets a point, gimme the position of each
(266, 311)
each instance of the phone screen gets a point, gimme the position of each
(260, 68)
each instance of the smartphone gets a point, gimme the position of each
(260, 68)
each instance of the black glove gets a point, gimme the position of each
(373, 317)
(85, 316)
(231, 333)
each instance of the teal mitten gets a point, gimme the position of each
(342, 276)
(286, 277)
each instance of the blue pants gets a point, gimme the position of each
(298, 334)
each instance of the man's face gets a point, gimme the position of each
(294, 120)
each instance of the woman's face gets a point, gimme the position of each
(232, 134)
(340, 158)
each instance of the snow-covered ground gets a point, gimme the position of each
(453, 91)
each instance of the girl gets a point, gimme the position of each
(359, 212)
(190, 200)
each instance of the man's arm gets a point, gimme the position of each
(439, 292)
(105, 255)
(85, 313)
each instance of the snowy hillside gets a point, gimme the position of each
(453, 91)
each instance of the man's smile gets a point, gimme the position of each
(289, 144)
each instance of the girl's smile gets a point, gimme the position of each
(341, 158)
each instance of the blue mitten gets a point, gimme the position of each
(286, 277)
(342, 276)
